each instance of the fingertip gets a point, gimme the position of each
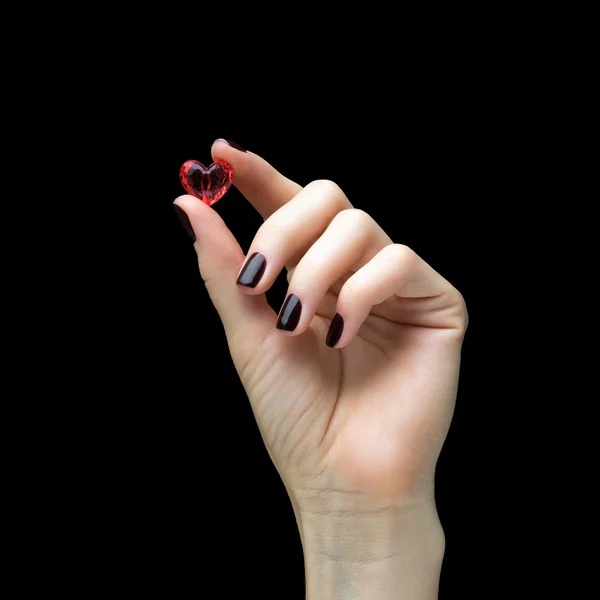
(229, 143)
(196, 209)
(185, 221)
(189, 202)
(250, 279)
(184, 200)
(262, 185)
(335, 332)
(289, 315)
(248, 290)
(208, 226)
(232, 153)
(342, 343)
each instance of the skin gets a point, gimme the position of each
(355, 431)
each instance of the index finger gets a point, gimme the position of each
(261, 184)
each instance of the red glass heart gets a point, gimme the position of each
(208, 184)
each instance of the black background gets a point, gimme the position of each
(192, 498)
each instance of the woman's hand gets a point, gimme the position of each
(354, 430)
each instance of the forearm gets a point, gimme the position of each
(392, 555)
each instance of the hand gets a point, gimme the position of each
(354, 430)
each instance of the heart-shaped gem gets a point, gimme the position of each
(208, 184)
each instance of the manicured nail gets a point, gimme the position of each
(232, 144)
(289, 315)
(185, 221)
(253, 270)
(335, 331)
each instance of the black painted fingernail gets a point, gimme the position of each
(232, 144)
(253, 270)
(289, 315)
(335, 331)
(185, 221)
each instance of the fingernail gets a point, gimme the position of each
(232, 144)
(335, 331)
(289, 315)
(253, 270)
(185, 221)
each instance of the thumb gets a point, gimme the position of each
(220, 259)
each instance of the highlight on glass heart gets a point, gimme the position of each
(207, 183)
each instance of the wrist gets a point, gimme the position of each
(395, 553)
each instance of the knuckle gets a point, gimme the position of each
(328, 191)
(354, 218)
(462, 312)
(325, 186)
(402, 252)
(399, 254)
(457, 314)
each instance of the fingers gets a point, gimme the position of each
(321, 239)
(262, 185)
(288, 233)
(219, 259)
(351, 239)
(395, 271)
